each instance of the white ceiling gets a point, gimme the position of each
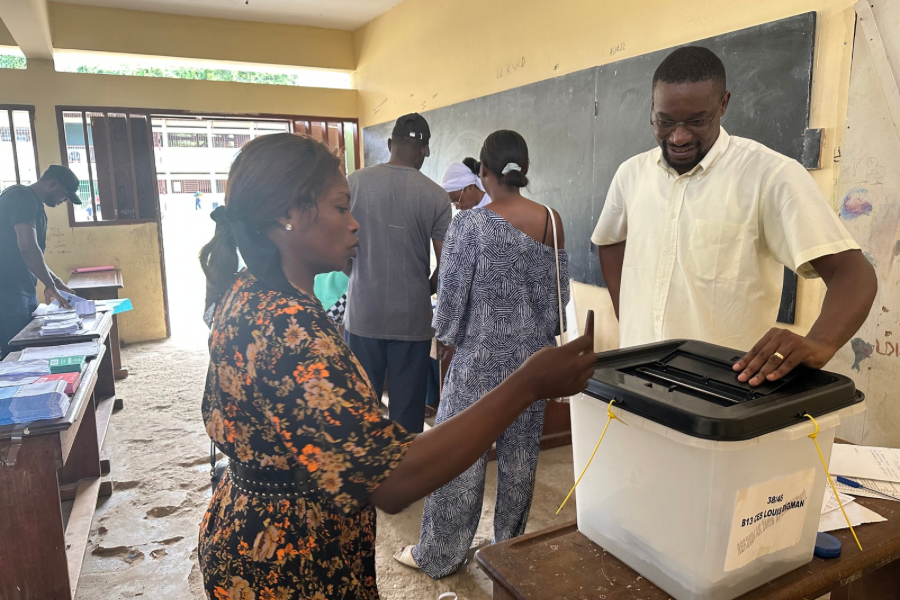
(336, 14)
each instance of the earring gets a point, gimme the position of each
(288, 226)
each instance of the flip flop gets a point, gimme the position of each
(404, 556)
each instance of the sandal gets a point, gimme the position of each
(404, 556)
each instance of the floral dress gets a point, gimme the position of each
(284, 391)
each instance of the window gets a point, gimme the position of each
(220, 185)
(230, 140)
(343, 136)
(162, 186)
(18, 152)
(191, 186)
(188, 140)
(112, 155)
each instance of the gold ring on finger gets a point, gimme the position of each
(779, 355)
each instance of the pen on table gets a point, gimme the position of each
(856, 484)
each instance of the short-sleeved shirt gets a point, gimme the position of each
(283, 391)
(705, 249)
(400, 211)
(329, 287)
(19, 204)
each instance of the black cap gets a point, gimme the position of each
(412, 126)
(67, 178)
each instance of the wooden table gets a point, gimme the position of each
(40, 556)
(563, 564)
(95, 327)
(102, 285)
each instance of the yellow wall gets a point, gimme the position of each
(135, 248)
(424, 54)
(97, 29)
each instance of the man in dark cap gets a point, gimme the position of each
(23, 239)
(402, 214)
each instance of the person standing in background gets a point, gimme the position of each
(402, 215)
(23, 239)
(463, 185)
(497, 313)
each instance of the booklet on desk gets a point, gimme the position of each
(66, 364)
(73, 380)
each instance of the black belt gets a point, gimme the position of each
(271, 483)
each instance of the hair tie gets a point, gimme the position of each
(219, 215)
(511, 167)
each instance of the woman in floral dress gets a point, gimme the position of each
(287, 402)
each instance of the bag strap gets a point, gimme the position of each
(562, 332)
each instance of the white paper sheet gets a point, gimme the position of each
(885, 487)
(830, 503)
(868, 462)
(857, 513)
(47, 352)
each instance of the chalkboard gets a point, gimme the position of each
(580, 127)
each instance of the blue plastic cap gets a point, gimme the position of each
(827, 546)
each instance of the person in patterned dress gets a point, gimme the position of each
(310, 454)
(498, 303)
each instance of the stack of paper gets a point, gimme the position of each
(87, 349)
(72, 380)
(832, 518)
(877, 469)
(22, 372)
(34, 402)
(83, 307)
(61, 323)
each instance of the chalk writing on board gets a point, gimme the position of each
(616, 49)
(510, 68)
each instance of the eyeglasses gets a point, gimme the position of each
(693, 125)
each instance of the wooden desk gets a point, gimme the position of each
(94, 327)
(563, 564)
(102, 285)
(40, 556)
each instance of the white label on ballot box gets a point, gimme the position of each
(769, 517)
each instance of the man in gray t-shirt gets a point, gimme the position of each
(401, 214)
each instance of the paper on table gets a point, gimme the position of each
(18, 381)
(47, 352)
(885, 487)
(830, 503)
(868, 462)
(24, 368)
(857, 513)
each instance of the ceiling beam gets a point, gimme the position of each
(29, 24)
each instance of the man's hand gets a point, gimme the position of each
(778, 353)
(51, 294)
(61, 286)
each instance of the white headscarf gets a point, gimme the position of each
(458, 176)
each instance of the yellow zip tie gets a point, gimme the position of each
(611, 416)
(813, 437)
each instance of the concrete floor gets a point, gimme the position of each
(144, 537)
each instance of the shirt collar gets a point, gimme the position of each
(711, 158)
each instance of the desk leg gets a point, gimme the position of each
(106, 380)
(32, 540)
(84, 457)
(120, 372)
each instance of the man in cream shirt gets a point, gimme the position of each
(694, 234)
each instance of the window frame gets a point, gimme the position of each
(152, 113)
(29, 108)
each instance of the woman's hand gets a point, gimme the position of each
(562, 371)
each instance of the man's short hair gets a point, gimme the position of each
(690, 65)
